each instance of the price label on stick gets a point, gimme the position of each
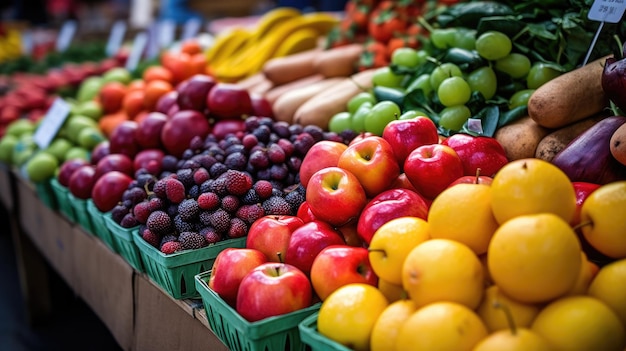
(116, 37)
(139, 45)
(167, 32)
(66, 34)
(51, 123)
(191, 28)
(610, 11)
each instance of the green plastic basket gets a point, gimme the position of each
(175, 273)
(46, 194)
(83, 218)
(316, 341)
(273, 333)
(123, 241)
(100, 229)
(63, 202)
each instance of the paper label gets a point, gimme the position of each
(139, 44)
(66, 34)
(116, 37)
(51, 123)
(191, 28)
(610, 11)
(167, 32)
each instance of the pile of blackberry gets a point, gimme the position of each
(218, 188)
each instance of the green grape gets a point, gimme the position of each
(385, 77)
(381, 114)
(454, 117)
(454, 91)
(358, 117)
(358, 99)
(520, 98)
(340, 122)
(465, 38)
(484, 80)
(539, 74)
(514, 64)
(410, 114)
(421, 82)
(405, 57)
(442, 38)
(493, 45)
(443, 71)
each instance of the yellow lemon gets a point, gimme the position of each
(443, 270)
(521, 339)
(386, 328)
(604, 211)
(463, 213)
(392, 242)
(491, 310)
(348, 315)
(530, 186)
(580, 323)
(441, 326)
(534, 258)
(393, 292)
(609, 285)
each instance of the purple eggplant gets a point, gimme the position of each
(614, 80)
(588, 157)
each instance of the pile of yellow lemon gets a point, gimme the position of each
(494, 267)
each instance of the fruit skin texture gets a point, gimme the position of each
(270, 235)
(273, 289)
(431, 168)
(339, 265)
(307, 241)
(335, 195)
(535, 258)
(82, 180)
(523, 339)
(603, 287)
(495, 318)
(108, 190)
(580, 323)
(404, 136)
(229, 268)
(604, 208)
(373, 162)
(324, 153)
(386, 206)
(441, 326)
(348, 315)
(477, 152)
(388, 324)
(183, 126)
(427, 281)
(530, 186)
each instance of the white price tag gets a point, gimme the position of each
(167, 32)
(139, 44)
(27, 42)
(191, 28)
(51, 122)
(610, 11)
(66, 34)
(153, 42)
(116, 37)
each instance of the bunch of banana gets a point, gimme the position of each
(240, 52)
(10, 45)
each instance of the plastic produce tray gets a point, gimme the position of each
(316, 341)
(46, 194)
(100, 228)
(63, 202)
(124, 243)
(83, 218)
(274, 333)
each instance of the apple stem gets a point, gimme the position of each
(507, 313)
(280, 257)
(583, 224)
(477, 175)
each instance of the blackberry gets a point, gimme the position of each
(220, 220)
(174, 190)
(208, 200)
(251, 197)
(181, 225)
(238, 228)
(167, 239)
(172, 210)
(294, 199)
(250, 213)
(210, 235)
(237, 182)
(188, 210)
(194, 191)
(171, 247)
(150, 237)
(205, 187)
(230, 203)
(236, 160)
(200, 175)
(141, 211)
(191, 240)
(217, 169)
(185, 176)
(218, 186)
(159, 222)
(205, 217)
(276, 205)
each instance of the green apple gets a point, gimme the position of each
(92, 109)
(59, 147)
(89, 88)
(41, 166)
(20, 126)
(7, 144)
(90, 137)
(74, 124)
(117, 74)
(358, 99)
(77, 152)
(23, 150)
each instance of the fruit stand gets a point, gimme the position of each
(374, 179)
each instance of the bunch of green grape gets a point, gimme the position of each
(454, 79)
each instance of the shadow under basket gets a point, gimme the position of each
(124, 243)
(175, 273)
(100, 228)
(273, 333)
(316, 341)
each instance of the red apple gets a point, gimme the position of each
(324, 153)
(351, 235)
(148, 133)
(115, 162)
(582, 190)
(335, 195)
(122, 139)
(108, 190)
(305, 213)
(183, 126)
(406, 135)
(226, 100)
(149, 159)
(192, 92)
(431, 168)
(476, 152)
(339, 265)
(229, 268)
(67, 169)
(167, 102)
(82, 181)
(102, 149)
(402, 182)
(475, 179)
(223, 127)
(361, 136)
(273, 289)
(388, 205)
(308, 240)
(373, 162)
(261, 106)
(271, 234)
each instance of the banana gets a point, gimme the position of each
(273, 18)
(300, 40)
(224, 41)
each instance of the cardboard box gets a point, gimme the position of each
(59, 251)
(105, 282)
(163, 323)
(29, 211)
(6, 188)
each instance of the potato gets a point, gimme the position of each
(557, 140)
(618, 144)
(520, 138)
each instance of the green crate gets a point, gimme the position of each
(123, 241)
(273, 333)
(63, 202)
(80, 211)
(316, 341)
(46, 194)
(175, 273)
(100, 228)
